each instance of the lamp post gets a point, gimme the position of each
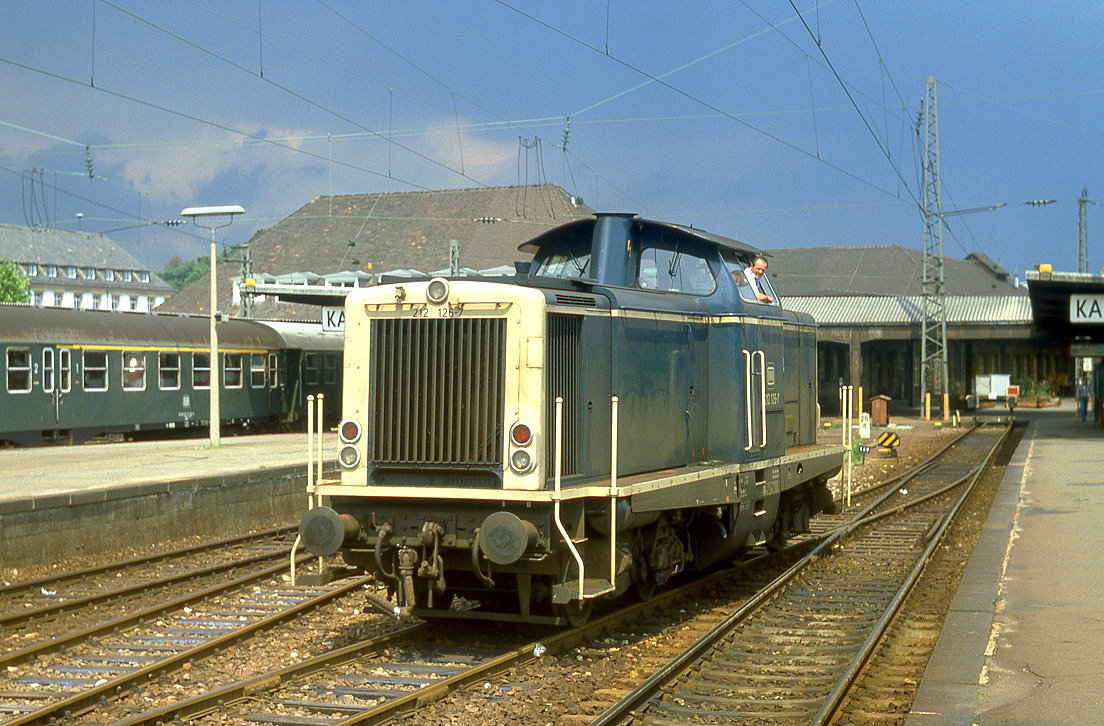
(197, 213)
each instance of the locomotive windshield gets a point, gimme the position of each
(565, 258)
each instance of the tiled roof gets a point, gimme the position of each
(76, 249)
(851, 310)
(881, 270)
(388, 231)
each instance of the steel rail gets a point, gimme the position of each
(88, 698)
(839, 691)
(59, 577)
(639, 696)
(153, 611)
(74, 604)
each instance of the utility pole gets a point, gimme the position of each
(933, 333)
(1083, 202)
(454, 257)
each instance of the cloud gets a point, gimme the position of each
(176, 170)
(478, 155)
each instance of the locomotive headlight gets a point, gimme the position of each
(349, 456)
(349, 431)
(521, 461)
(521, 434)
(437, 291)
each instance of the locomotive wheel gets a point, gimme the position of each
(577, 612)
(644, 589)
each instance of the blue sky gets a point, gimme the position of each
(725, 115)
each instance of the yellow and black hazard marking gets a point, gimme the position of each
(889, 440)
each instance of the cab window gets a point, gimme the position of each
(565, 258)
(674, 270)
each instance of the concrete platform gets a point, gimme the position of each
(62, 501)
(1024, 641)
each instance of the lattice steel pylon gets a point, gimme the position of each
(1083, 230)
(933, 327)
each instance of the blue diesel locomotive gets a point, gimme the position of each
(72, 375)
(623, 409)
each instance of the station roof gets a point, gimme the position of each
(1050, 294)
(881, 270)
(860, 311)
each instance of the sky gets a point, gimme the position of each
(776, 123)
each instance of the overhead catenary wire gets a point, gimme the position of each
(287, 90)
(696, 99)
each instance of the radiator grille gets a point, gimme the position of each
(564, 333)
(436, 391)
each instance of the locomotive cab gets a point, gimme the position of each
(616, 416)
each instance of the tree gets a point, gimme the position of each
(14, 285)
(181, 274)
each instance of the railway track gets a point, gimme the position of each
(101, 652)
(412, 668)
(789, 654)
(95, 589)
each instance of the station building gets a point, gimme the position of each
(81, 270)
(1068, 309)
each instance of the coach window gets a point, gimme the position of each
(273, 370)
(330, 362)
(256, 370)
(95, 370)
(674, 270)
(201, 370)
(65, 369)
(19, 370)
(168, 371)
(47, 370)
(134, 370)
(232, 375)
(312, 369)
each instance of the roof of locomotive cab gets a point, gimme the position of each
(577, 226)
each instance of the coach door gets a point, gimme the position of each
(57, 378)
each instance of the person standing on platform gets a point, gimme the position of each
(1083, 393)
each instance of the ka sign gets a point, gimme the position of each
(1086, 309)
(333, 320)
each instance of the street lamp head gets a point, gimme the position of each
(194, 212)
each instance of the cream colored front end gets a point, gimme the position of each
(453, 404)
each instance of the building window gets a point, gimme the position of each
(89, 273)
(168, 371)
(257, 370)
(19, 370)
(95, 370)
(30, 269)
(51, 270)
(232, 371)
(201, 370)
(70, 272)
(128, 276)
(109, 275)
(134, 370)
(143, 277)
